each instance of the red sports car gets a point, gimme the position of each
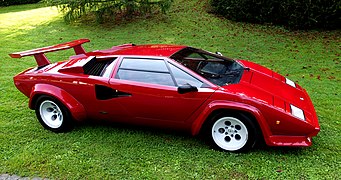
(234, 103)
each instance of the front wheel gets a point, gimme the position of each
(234, 133)
(53, 115)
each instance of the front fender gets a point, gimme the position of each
(230, 105)
(76, 109)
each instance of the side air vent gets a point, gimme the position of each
(105, 93)
(95, 67)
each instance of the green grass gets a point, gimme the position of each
(96, 151)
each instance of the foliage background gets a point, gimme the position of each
(295, 14)
(16, 2)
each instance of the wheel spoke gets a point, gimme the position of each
(49, 109)
(237, 137)
(227, 139)
(54, 117)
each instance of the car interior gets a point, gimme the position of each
(217, 69)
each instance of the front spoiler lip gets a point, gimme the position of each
(315, 132)
(293, 141)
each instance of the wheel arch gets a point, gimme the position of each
(215, 108)
(76, 108)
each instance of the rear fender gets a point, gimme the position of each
(77, 110)
(229, 105)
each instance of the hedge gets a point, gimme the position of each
(295, 14)
(16, 2)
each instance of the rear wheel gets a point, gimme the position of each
(53, 115)
(234, 133)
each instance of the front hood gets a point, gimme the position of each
(279, 86)
(269, 87)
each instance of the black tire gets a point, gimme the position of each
(231, 132)
(53, 115)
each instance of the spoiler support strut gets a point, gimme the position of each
(39, 54)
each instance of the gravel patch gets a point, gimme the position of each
(15, 177)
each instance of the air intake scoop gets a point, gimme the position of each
(77, 65)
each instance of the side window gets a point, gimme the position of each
(108, 70)
(182, 77)
(144, 64)
(196, 55)
(152, 71)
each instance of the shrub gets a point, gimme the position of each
(296, 14)
(16, 2)
(74, 9)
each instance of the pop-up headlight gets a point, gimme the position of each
(290, 82)
(297, 112)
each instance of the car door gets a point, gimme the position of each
(153, 88)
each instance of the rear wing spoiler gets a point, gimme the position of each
(39, 54)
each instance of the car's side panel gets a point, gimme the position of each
(156, 102)
(150, 102)
(83, 89)
(77, 110)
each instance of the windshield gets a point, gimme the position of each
(215, 68)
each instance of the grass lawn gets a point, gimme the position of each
(96, 151)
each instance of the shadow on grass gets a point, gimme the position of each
(122, 127)
(180, 138)
(283, 150)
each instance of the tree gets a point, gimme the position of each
(74, 9)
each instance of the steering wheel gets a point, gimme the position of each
(204, 73)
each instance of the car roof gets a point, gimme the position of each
(143, 50)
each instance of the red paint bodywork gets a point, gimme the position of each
(261, 93)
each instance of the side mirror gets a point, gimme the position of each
(186, 88)
(219, 53)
